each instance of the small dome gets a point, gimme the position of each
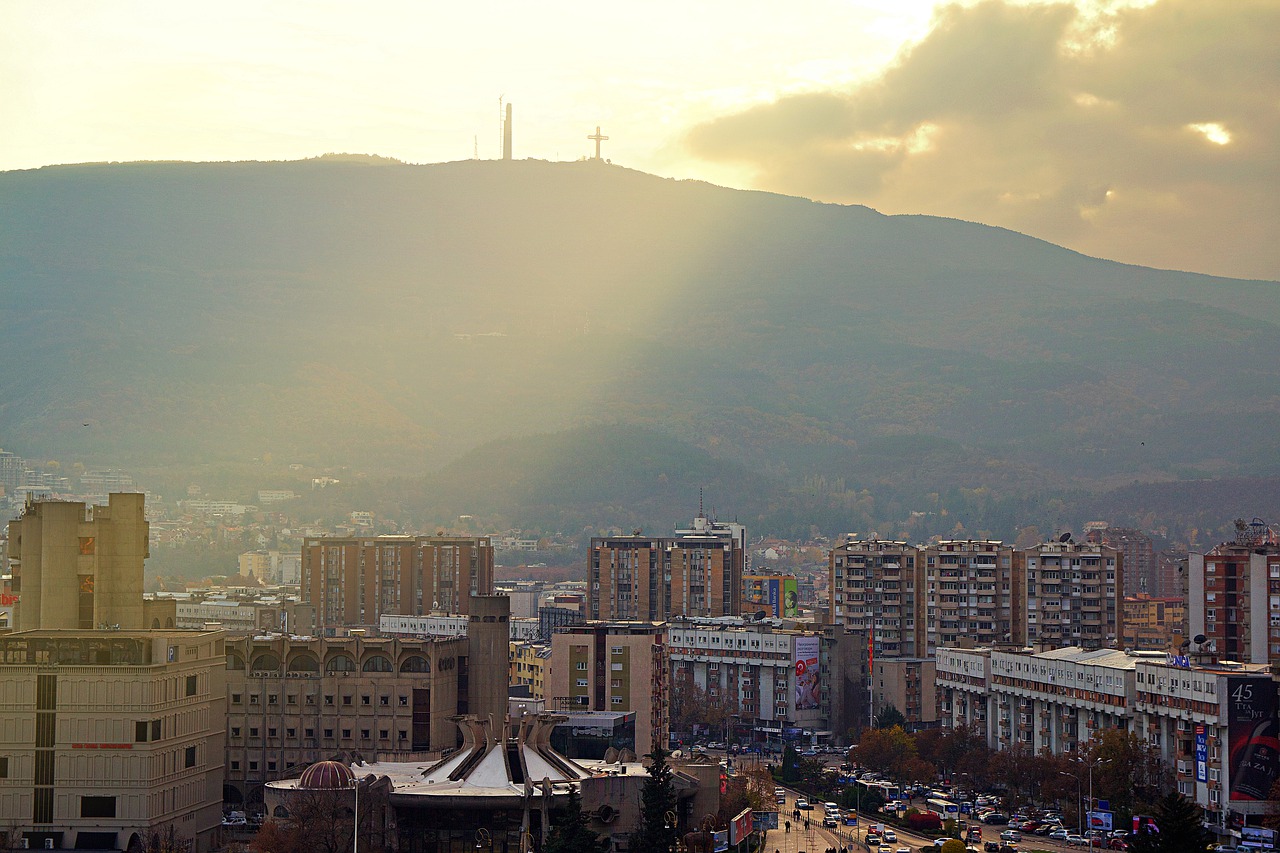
(326, 776)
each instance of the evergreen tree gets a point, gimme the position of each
(657, 800)
(1180, 825)
(570, 833)
(790, 765)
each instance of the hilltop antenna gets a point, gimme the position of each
(700, 512)
(501, 116)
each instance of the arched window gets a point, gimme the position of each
(415, 663)
(234, 661)
(266, 662)
(304, 662)
(340, 663)
(378, 663)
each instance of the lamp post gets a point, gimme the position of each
(1093, 764)
(1079, 799)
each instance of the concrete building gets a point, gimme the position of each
(613, 666)
(878, 586)
(751, 668)
(1140, 566)
(292, 701)
(528, 668)
(969, 592)
(1158, 624)
(108, 736)
(697, 573)
(1067, 594)
(1234, 598)
(79, 568)
(354, 581)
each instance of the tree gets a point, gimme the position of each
(1179, 828)
(953, 845)
(889, 717)
(886, 750)
(165, 840)
(569, 830)
(657, 801)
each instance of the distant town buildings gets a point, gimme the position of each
(696, 573)
(353, 581)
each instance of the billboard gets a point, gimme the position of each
(1101, 820)
(1202, 753)
(806, 660)
(1253, 735)
(776, 595)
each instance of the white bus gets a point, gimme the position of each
(944, 809)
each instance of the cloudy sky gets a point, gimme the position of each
(1135, 130)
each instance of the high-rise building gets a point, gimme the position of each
(1139, 557)
(76, 567)
(1234, 600)
(353, 581)
(1154, 624)
(646, 578)
(613, 666)
(878, 585)
(1067, 593)
(969, 594)
(109, 737)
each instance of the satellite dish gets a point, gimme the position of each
(760, 614)
(1066, 537)
(1199, 639)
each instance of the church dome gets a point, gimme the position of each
(326, 776)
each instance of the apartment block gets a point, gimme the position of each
(79, 567)
(879, 586)
(696, 573)
(613, 666)
(353, 581)
(1234, 599)
(109, 736)
(970, 593)
(529, 661)
(1158, 624)
(292, 701)
(1067, 593)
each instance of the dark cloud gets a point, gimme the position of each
(1150, 136)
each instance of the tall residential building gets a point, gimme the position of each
(878, 585)
(1140, 567)
(1154, 624)
(613, 666)
(645, 578)
(355, 580)
(1067, 594)
(80, 567)
(109, 736)
(297, 700)
(969, 592)
(1234, 599)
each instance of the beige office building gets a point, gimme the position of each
(297, 700)
(79, 567)
(108, 736)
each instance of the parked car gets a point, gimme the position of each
(1011, 835)
(1118, 844)
(1047, 827)
(803, 805)
(1075, 839)
(996, 819)
(1059, 835)
(991, 847)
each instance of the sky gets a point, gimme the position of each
(1144, 131)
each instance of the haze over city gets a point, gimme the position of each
(1138, 131)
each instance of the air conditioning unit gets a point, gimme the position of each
(24, 844)
(48, 844)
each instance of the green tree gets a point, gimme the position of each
(1181, 828)
(889, 717)
(953, 845)
(790, 765)
(569, 830)
(657, 801)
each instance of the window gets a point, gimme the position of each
(582, 666)
(582, 682)
(291, 700)
(402, 735)
(253, 731)
(364, 700)
(310, 699)
(235, 765)
(155, 730)
(364, 734)
(271, 766)
(253, 765)
(346, 734)
(97, 807)
(346, 700)
(328, 733)
(140, 731)
(328, 700)
(235, 699)
(310, 732)
(271, 732)
(189, 757)
(384, 700)
(616, 700)
(4, 767)
(384, 733)
(253, 698)
(404, 701)
(235, 731)
(291, 733)
(191, 685)
(273, 699)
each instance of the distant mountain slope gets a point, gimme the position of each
(395, 317)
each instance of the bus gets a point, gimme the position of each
(889, 791)
(944, 809)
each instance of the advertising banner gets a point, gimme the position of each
(1101, 820)
(806, 651)
(1253, 737)
(721, 840)
(776, 596)
(1202, 754)
(740, 828)
(790, 598)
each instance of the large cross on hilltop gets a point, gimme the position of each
(598, 139)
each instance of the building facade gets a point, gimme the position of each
(79, 568)
(1067, 593)
(613, 666)
(353, 581)
(645, 578)
(879, 586)
(970, 593)
(1234, 599)
(1158, 624)
(108, 736)
(292, 701)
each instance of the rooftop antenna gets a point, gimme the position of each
(501, 129)
(701, 514)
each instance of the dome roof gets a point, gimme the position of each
(326, 776)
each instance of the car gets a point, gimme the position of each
(938, 842)
(991, 847)
(1008, 848)
(873, 840)
(886, 850)
(995, 818)
(1047, 827)
(890, 836)
(804, 805)
(903, 850)
(1059, 835)
(830, 821)
(1075, 839)
(1119, 833)
(1011, 835)
(1118, 844)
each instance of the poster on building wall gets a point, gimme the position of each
(775, 596)
(1202, 753)
(790, 599)
(1254, 737)
(806, 650)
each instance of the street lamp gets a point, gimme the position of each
(1079, 799)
